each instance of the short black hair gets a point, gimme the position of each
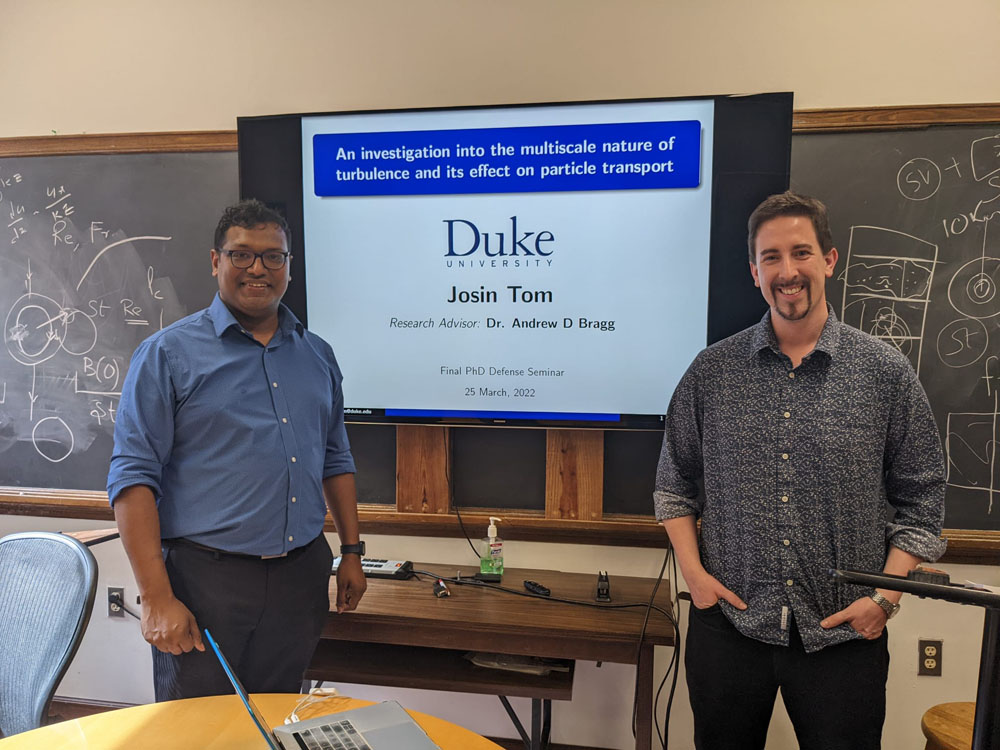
(790, 204)
(249, 214)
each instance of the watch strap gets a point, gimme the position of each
(353, 549)
(887, 606)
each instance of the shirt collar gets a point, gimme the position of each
(829, 337)
(223, 319)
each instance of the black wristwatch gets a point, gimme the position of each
(353, 549)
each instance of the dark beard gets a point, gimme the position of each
(809, 303)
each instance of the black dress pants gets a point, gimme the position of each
(266, 616)
(835, 697)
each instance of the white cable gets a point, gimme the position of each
(314, 696)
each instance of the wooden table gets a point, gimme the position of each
(406, 614)
(219, 722)
(948, 726)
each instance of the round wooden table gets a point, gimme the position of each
(219, 722)
(948, 726)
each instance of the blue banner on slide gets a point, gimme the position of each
(558, 158)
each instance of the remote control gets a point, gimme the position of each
(537, 588)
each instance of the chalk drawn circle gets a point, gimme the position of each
(973, 290)
(963, 342)
(79, 333)
(981, 288)
(32, 331)
(53, 436)
(918, 179)
(892, 329)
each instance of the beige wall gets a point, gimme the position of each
(126, 66)
(115, 66)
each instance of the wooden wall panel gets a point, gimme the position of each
(574, 474)
(423, 468)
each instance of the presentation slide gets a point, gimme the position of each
(543, 262)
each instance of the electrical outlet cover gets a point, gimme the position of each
(116, 610)
(929, 657)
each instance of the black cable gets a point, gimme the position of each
(642, 636)
(115, 599)
(447, 479)
(470, 581)
(677, 651)
(467, 537)
(674, 664)
(130, 612)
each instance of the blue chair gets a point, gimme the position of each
(47, 587)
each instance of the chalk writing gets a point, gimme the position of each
(71, 338)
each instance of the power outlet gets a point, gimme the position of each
(929, 657)
(116, 597)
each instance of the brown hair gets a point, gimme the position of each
(790, 204)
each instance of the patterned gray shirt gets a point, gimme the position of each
(798, 466)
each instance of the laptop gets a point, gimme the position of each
(382, 726)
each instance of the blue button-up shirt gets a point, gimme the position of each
(234, 438)
(800, 466)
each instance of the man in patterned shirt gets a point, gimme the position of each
(802, 444)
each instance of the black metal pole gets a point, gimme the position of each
(986, 728)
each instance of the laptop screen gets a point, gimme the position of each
(258, 718)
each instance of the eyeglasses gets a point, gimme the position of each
(273, 260)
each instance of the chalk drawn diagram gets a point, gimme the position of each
(974, 290)
(918, 179)
(984, 154)
(83, 298)
(971, 437)
(962, 342)
(971, 446)
(887, 286)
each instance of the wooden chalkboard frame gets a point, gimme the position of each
(574, 458)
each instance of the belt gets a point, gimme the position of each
(182, 542)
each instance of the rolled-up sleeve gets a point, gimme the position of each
(680, 467)
(915, 473)
(338, 458)
(144, 428)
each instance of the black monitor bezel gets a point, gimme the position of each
(748, 165)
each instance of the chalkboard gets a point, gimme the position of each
(916, 220)
(97, 252)
(916, 217)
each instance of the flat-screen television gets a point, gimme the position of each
(549, 265)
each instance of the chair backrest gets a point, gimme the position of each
(47, 587)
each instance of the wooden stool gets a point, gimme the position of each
(948, 726)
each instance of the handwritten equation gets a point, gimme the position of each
(79, 297)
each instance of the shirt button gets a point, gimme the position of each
(294, 499)
(787, 414)
(789, 582)
(791, 375)
(293, 459)
(284, 420)
(784, 457)
(784, 498)
(785, 542)
(292, 539)
(275, 384)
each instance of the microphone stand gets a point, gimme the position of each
(986, 727)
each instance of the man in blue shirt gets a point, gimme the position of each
(229, 447)
(801, 432)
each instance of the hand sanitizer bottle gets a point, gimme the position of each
(491, 559)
